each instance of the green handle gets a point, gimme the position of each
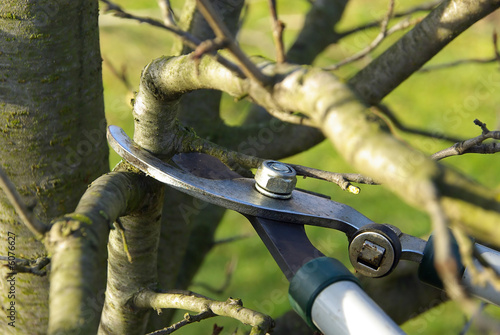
(427, 272)
(311, 279)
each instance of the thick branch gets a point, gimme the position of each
(77, 243)
(407, 55)
(141, 227)
(343, 118)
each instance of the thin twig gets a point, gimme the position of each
(188, 319)
(457, 63)
(386, 112)
(26, 214)
(420, 8)
(495, 58)
(230, 267)
(469, 322)
(278, 27)
(341, 179)
(232, 239)
(473, 145)
(445, 264)
(384, 32)
(188, 39)
(482, 273)
(235, 160)
(167, 13)
(248, 67)
(217, 330)
(121, 75)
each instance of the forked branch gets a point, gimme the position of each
(221, 31)
(233, 308)
(473, 145)
(384, 32)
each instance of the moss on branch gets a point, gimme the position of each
(77, 244)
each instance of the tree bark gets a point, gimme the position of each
(52, 125)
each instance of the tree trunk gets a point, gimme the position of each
(52, 141)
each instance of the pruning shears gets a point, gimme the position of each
(322, 290)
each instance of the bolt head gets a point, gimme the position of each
(372, 254)
(275, 179)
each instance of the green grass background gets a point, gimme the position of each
(444, 100)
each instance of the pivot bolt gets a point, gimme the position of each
(375, 250)
(275, 179)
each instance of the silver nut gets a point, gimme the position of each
(275, 179)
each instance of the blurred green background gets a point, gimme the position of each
(444, 100)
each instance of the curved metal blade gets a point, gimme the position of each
(240, 194)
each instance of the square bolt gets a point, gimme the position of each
(371, 255)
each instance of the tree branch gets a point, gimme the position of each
(495, 58)
(341, 179)
(419, 8)
(233, 308)
(238, 161)
(167, 12)
(141, 226)
(481, 271)
(221, 31)
(407, 55)
(188, 225)
(188, 319)
(473, 145)
(77, 243)
(347, 123)
(385, 112)
(186, 38)
(278, 27)
(384, 32)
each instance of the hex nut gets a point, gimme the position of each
(275, 179)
